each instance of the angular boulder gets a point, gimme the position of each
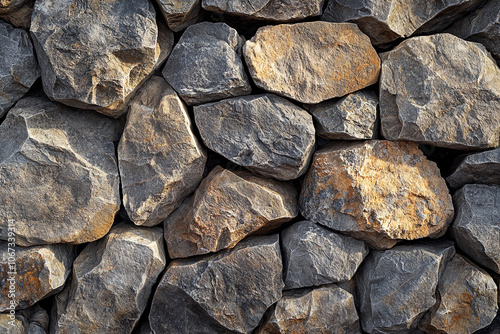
(227, 207)
(161, 161)
(476, 227)
(17, 12)
(267, 134)
(227, 292)
(205, 65)
(180, 14)
(67, 158)
(312, 61)
(112, 282)
(33, 320)
(314, 255)
(451, 99)
(483, 167)
(377, 191)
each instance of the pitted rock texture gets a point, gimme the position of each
(33, 320)
(227, 207)
(180, 14)
(468, 299)
(205, 65)
(451, 99)
(377, 191)
(227, 292)
(397, 286)
(483, 167)
(313, 61)
(95, 54)
(112, 282)
(34, 272)
(17, 12)
(161, 161)
(329, 309)
(314, 255)
(349, 118)
(267, 134)
(18, 65)
(385, 21)
(476, 227)
(59, 180)
(266, 10)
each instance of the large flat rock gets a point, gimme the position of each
(483, 167)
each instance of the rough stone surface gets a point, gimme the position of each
(451, 99)
(481, 167)
(180, 14)
(17, 12)
(266, 10)
(205, 65)
(112, 282)
(378, 191)
(227, 207)
(493, 328)
(33, 320)
(95, 54)
(397, 286)
(468, 300)
(386, 21)
(324, 310)
(314, 255)
(313, 61)
(476, 227)
(161, 161)
(224, 293)
(265, 133)
(33, 272)
(18, 65)
(349, 118)
(67, 158)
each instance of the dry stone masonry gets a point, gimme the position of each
(249, 166)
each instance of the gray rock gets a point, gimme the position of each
(451, 99)
(180, 14)
(314, 255)
(476, 227)
(227, 207)
(112, 282)
(18, 65)
(227, 292)
(205, 65)
(67, 158)
(161, 161)
(267, 10)
(96, 54)
(493, 328)
(17, 12)
(483, 167)
(397, 286)
(31, 274)
(467, 300)
(265, 133)
(385, 21)
(329, 309)
(33, 320)
(351, 117)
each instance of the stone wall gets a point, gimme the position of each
(267, 166)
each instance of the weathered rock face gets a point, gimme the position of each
(161, 161)
(313, 61)
(180, 14)
(95, 54)
(314, 255)
(67, 158)
(386, 21)
(493, 328)
(267, 10)
(349, 118)
(227, 207)
(112, 281)
(18, 65)
(328, 309)
(226, 292)
(397, 286)
(483, 167)
(378, 191)
(468, 300)
(17, 12)
(476, 227)
(206, 65)
(265, 133)
(33, 320)
(32, 273)
(452, 98)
